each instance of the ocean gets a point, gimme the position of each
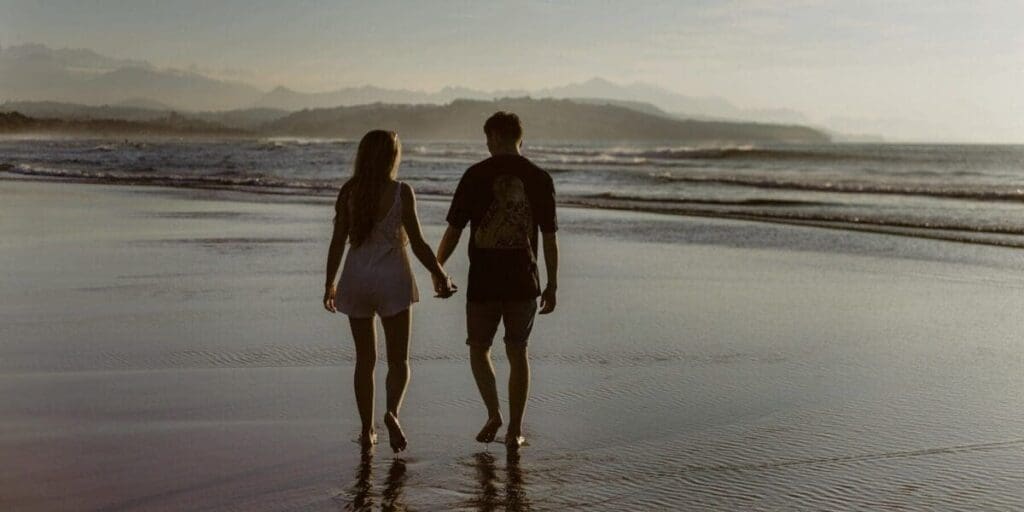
(970, 193)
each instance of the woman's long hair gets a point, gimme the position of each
(376, 163)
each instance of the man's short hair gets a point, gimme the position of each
(504, 126)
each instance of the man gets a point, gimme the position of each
(504, 199)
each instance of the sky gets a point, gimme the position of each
(956, 64)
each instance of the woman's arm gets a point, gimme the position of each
(336, 250)
(411, 222)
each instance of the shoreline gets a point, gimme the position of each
(1012, 240)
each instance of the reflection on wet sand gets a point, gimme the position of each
(360, 497)
(391, 498)
(360, 494)
(515, 490)
(489, 497)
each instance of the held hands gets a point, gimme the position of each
(329, 292)
(548, 300)
(444, 286)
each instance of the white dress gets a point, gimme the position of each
(377, 277)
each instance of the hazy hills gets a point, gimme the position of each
(544, 119)
(34, 72)
(81, 87)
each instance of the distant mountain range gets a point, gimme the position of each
(544, 119)
(35, 72)
(637, 94)
(89, 92)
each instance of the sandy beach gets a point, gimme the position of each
(166, 349)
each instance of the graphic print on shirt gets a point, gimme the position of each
(508, 221)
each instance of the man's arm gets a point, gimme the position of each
(449, 242)
(548, 299)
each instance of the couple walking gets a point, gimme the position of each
(504, 199)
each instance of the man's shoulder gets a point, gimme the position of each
(518, 163)
(479, 167)
(525, 167)
(524, 162)
(537, 171)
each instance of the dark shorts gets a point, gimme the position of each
(482, 320)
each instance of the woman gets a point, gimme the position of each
(377, 215)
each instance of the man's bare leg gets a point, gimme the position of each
(483, 373)
(518, 391)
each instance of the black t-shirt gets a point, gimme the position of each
(505, 199)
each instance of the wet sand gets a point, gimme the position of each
(165, 349)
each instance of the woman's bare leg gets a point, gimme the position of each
(364, 332)
(397, 330)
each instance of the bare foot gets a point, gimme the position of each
(367, 438)
(514, 440)
(395, 435)
(490, 429)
